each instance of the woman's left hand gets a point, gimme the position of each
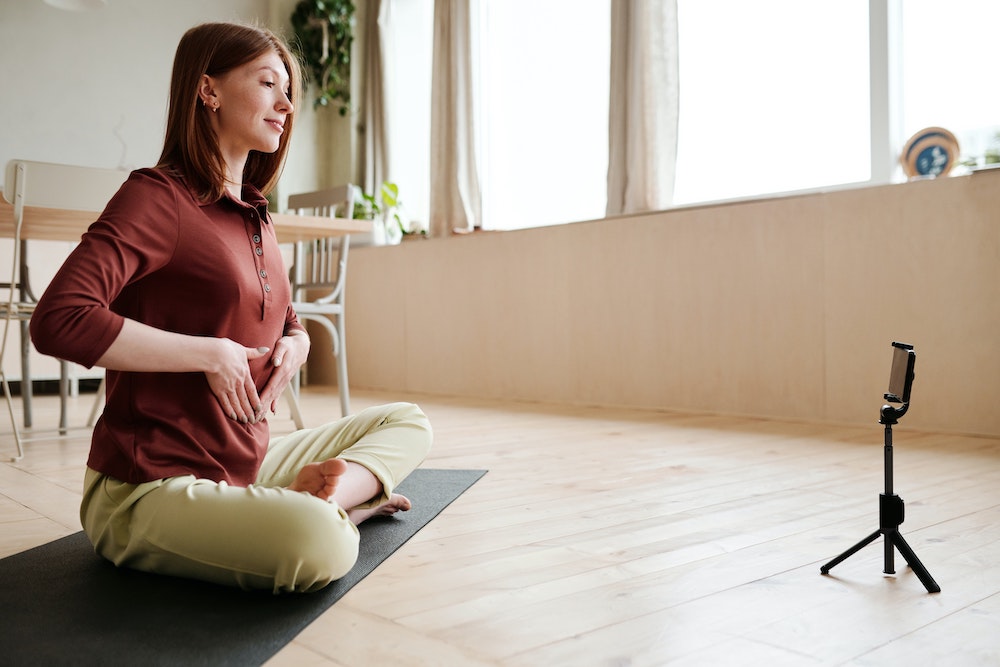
(290, 352)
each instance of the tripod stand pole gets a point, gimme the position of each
(891, 513)
(884, 520)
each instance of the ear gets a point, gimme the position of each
(206, 91)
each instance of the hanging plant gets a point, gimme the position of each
(324, 31)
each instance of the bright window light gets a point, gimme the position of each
(774, 97)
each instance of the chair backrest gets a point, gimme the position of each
(60, 185)
(53, 186)
(321, 264)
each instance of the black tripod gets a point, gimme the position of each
(890, 513)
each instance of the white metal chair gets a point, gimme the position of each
(48, 188)
(318, 279)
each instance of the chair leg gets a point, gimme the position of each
(13, 419)
(342, 386)
(7, 321)
(63, 396)
(27, 390)
(98, 402)
(293, 405)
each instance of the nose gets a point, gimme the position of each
(285, 104)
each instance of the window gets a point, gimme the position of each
(949, 70)
(544, 102)
(543, 108)
(773, 97)
(408, 73)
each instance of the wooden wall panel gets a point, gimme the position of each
(782, 307)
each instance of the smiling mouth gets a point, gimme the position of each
(277, 125)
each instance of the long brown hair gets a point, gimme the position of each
(190, 145)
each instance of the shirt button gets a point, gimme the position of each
(259, 251)
(256, 238)
(267, 288)
(263, 273)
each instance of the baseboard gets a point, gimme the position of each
(51, 387)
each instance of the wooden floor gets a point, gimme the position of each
(615, 537)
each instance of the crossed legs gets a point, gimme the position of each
(294, 529)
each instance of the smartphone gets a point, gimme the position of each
(901, 374)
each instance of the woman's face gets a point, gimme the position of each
(252, 106)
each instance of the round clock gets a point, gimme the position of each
(930, 152)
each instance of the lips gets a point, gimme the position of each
(276, 124)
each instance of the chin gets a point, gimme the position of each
(268, 148)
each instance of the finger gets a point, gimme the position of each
(245, 407)
(259, 415)
(276, 385)
(256, 404)
(261, 412)
(242, 403)
(241, 406)
(260, 408)
(280, 350)
(224, 404)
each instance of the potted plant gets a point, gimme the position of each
(386, 210)
(992, 153)
(324, 32)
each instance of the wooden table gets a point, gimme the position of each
(53, 224)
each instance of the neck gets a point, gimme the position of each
(234, 175)
(235, 189)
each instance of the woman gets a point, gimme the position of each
(178, 290)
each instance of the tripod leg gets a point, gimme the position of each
(911, 558)
(850, 552)
(890, 565)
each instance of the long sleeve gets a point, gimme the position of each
(160, 257)
(134, 236)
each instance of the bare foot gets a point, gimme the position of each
(396, 503)
(319, 479)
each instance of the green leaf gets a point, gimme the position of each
(331, 72)
(390, 194)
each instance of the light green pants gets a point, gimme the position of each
(262, 536)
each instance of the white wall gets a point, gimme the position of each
(91, 88)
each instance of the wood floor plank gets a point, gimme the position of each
(954, 640)
(46, 497)
(614, 537)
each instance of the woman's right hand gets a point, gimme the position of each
(232, 383)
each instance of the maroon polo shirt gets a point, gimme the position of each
(158, 256)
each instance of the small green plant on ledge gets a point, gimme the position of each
(992, 153)
(990, 156)
(324, 32)
(387, 210)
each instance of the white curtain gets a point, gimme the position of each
(644, 105)
(375, 157)
(455, 201)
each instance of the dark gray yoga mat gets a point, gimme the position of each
(64, 605)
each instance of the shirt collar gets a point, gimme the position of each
(252, 198)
